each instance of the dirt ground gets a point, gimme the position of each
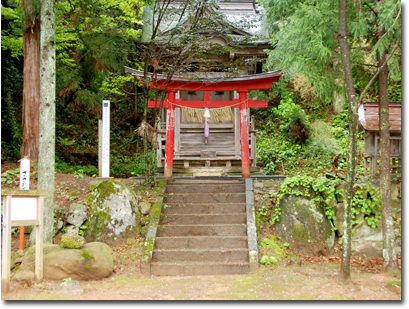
(315, 278)
(311, 281)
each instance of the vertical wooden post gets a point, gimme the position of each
(159, 150)
(105, 138)
(99, 147)
(6, 250)
(170, 135)
(38, 275)
(245, 160)
(24, 185)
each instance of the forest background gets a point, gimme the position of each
(303, 132)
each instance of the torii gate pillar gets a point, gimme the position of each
(170, 135)
(245, 160)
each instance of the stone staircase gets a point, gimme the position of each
(202, 229)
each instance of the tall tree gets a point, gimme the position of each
(353, 104)
(31, 87)
(389, 254)
(46, 160)
(305, 36)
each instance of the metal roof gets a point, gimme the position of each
(369, 116)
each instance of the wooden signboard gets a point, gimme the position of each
(21, 208)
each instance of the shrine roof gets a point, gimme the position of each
(218, 79)
(369, 116)
(247, 82)
(246, 16)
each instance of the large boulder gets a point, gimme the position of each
(370, 246)
(368, 241)
(77, 214)
(305, 226)
(114, 213)
(94, 261)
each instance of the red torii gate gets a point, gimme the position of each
(241, 84)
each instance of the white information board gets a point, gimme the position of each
(24, 209)
(105, 138)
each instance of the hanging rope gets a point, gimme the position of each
(219, 114)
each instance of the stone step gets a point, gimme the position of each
(214, 208)
(203, 181)
(204, 198)
(196, 269)
(202, 230)
(199, 219)
(200, 255)
(197, 242)
(205, 188)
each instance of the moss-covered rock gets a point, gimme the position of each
(24, 275)
(94, 261)
(114, 213)
(304, 226)
(13, 257)
(72, 241)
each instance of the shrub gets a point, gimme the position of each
(322, 145)
(295, 123)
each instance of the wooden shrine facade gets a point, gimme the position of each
(369, 120)
(183, 141)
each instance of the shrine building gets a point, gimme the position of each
(205, 121)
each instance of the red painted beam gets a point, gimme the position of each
(226, 86)
(209, 104)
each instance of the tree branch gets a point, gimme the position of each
(377, 73)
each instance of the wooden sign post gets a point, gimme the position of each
(24, 185)
(105, 138)
(21, 208)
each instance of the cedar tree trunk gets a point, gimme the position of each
(389, 254)
(31, 83)
(345, 274)
(46, 159)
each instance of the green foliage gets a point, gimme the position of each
(10, 176)
(65, 141)
(82, 230)
(322, 146)
(304, 34)
(268, 260)
(294, 122)
(395, 92)
(290, 128)
(276, 215)
(366, 200)
(11, 79)
(79, 171)
(323, 189)
(11, 32)
(127, 166)
(273, 250)
(273, 150)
